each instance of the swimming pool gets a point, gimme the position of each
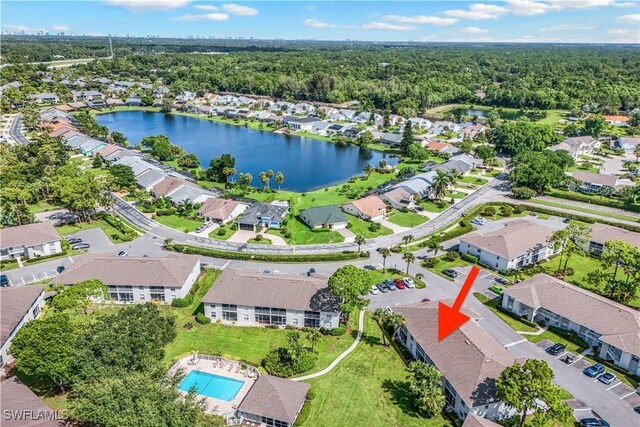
(211, 385)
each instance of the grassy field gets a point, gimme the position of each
(367, 389)
(228, 233)
(301, 234)
(431, 207)
(444, 265)
(584, 210)
(360, 227)
(407, 219)
(109, 230)
(42, 207)
(179, 222)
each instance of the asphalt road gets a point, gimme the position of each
(15, 130)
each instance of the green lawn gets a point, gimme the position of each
(407, 219)
(42, 207)
(111, 232)
(301, 234)
(228, 233)
(431, 207)
(367, 389)
(444, 265)
(455, 195)
(178, 222)
(472, 180)
(360, 227)
(584, 210)
(493, 305)
(263, 241)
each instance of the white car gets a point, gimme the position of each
(479, 221)
(374, 290)
(408, 282)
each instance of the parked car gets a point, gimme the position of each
(533, 214)
(594, 370)
(607, 378)
(123, 253)
(201, 228)
(374, 290)
(555, 349)
(266, 271)
(593, 422)
(479, 221)
(502, 280)
(59, 269)
(4, 280)
(566, 220)
(409, 283)
(425, 300)
(450, 272)
(80, 246)
(389, 284)
(496, 289)
(311, 271)
(382, 287)
(400, 285)
(74, 240)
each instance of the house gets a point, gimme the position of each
(418, 185)
(137, 165)
(474, 420)
(320, 127)
(110, 151)
(473, 130)
(221, 211)
(260, 215)
(46, 97)
(266, 117)
(324, 217)
(395, 120)
(577, 146)
(627, 143)
(18, 306)
(612, 328)
(594, 182)
(514, 245)
(75, 141)
(115, 102)
(460, 163)
(87, 95)
(252, 298)
(442, 147)
(370, 208)
(149, 178)
(11, 85)
(189, 193)
(303, 108)
(273, 401)
(300, 123)
(420, 123)
(601, 233)
(445, 126)
(346, 114)
(185, 96)
(166, 186)
(469, 359)
(79, 105)
(29, 241)
(136, 279)
(133, 102)
(616, 120)
(21, 407)
(389, 138)
(121, 85)
(281, 106)
(91, 146)
(398, 198)
(96, 104)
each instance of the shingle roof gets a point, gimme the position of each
(219, 209)
(28, 235)
(263, 210)
(371, 206)
(619, 324)
(470, 359)
(244, 287)
(324, 215)
(474, 420)
(600, 233)
(166, 186)
(398, 195)
(515, 238)
(17, 398)
(170, 271)
(276, 398)
(595, 178)
(150, 177)
(15, 302)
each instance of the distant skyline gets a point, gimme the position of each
(569, 21)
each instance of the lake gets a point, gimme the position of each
(507, 115)
(307, 164)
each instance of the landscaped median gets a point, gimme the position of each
(215, 253)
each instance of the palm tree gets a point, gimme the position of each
(269, 176)
(360, 240)
(410, 258)
(419, 276)
(383, 163)
(434, 245)
(279, 179)
(381, 315)
(396, 321)
(314, 337)
(407, 239)
(440, 185)
(262, 176)
(636, 151)
(385, 252)
(369, 169)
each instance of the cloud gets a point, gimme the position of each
(625, 4)
(314, 23)
(205, 17)
(567, 27)
(620, 32)
(310, 7)
(629, 19)
(420, 19)
(207, 7)
(387, 26)
(529, 8)
(20, 27)
(60, 28)
(236, 9)
(474, 30)
(478, 11)
(141, 5)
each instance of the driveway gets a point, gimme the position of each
(348, 235)
(394, 227)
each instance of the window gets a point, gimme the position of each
(312, 319)
(245, 317)
(230, 312)
(141, 288)
(271, 316)
(36, 311)
(157, 293)
(295, 321)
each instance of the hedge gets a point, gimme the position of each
(42, 258)
(579, 197)
(182, 302)
(304, 413)
(470, 258)
(339, 256)
(202, 319)
(586, 219)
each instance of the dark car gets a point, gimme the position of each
(311, 271)
(59, 269)
(594, 370)
(502, 280)
(4, 280)
(74, 240)
(593, 422)
(389, 284)
(556, 349)
(451, 272)
(382, 287)
(80, 246)
(607, 378)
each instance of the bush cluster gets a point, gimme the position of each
(335, 332)
(339, 256)
(202, 319)
(182, 302)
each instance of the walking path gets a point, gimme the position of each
(342, 356)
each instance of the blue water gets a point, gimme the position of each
(307, 164)
(211, 385)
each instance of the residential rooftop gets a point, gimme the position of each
(601, 233)
(15, 302)
(27, 235)
(276, 398)
(17, 398)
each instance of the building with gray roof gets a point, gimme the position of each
(18, 306)
(260, 215)
(330, 216)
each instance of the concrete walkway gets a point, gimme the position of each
(342, 356)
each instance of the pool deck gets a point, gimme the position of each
(223, 368)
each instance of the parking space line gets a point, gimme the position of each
(561, 355)
(514, 343)
(615, 385)
(596, 380)
(627, 395)
(582, 409)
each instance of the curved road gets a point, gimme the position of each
(15, 130)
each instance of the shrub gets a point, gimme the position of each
(188, 325)
(349, 225)
(202, 319)
(163, 212)
(430, 262)
(470, 258)
(304, 413)
(506, 210)
(451, 256)
(271, 326)
(258, 237)
(278, 363)
(374, 226)
(182, 302)
(523, 192)
(289, 258)
(489, 211)
(335, 332)
(307, 361)
(221, 231)
(311, 394)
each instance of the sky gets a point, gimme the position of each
(575, 21)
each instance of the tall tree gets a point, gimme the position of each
(425, 388)
(279, 179)
(348, 283)
(380, 316)
(80, 295)
(440, 185)
(594, 125)
(409, 258)
(360, 240)
(385, 252)
(217, 166)
(570, 240)
(407, 137)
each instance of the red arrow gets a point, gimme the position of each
(450, 318)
